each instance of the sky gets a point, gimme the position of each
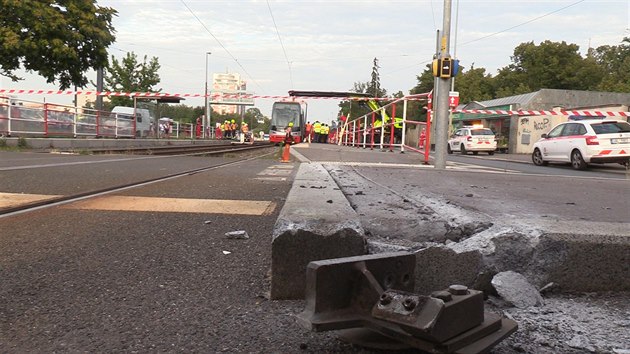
(329, 45)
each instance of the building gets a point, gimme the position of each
(226, 89)
(518, 133)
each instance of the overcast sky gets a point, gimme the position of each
(329, 45)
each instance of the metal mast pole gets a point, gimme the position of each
(441, 126)
(206, 122)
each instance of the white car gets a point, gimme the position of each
(473, 139)
(584, 141)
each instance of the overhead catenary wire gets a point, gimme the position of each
(281, 44)
(524, 23)
(499, 32)
(222, 46)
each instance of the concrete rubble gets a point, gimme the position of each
(237, 235)
(515, 290)
(458, 246)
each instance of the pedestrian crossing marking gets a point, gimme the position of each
(176, 205)
(10, 200)
(276, 173)
(468, 167)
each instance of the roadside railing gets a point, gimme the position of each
(371, 131)
(40, 119)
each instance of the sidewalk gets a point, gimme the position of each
(330, 152)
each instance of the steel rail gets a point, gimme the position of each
(180, 149)
(24, 208)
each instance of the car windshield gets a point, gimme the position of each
(611, 127)
(481, 132)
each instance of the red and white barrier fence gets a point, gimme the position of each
(545, 113)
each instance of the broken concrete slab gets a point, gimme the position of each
(514, 288)
(314, 224)
(438, 267)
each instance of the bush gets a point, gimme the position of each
(22, 143)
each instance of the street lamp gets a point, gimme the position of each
(206, 125)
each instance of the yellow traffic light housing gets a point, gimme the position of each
(446, 66)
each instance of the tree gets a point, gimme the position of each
(59, 39)
(614, 61)
(131, 76)
(181, 112)
(374, 86)
(416, 110)
(548, 65)
(474, 84)
(253, 117)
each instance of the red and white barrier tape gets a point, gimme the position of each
(163, 94)
(248, 96)
(546, 113)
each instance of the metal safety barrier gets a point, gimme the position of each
(367, 131)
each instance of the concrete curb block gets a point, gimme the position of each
(316, 223)
(583, 263)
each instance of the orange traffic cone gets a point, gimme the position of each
(286, 153)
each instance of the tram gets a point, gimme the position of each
(283, 113)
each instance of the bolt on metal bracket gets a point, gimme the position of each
(370, 301)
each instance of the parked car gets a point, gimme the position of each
(474, 139)
(583, 142)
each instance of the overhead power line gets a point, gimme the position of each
(222, 46)
(524, 23)
(281, 44)
(499, 32)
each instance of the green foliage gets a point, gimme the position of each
(129, 75)
(554, 65)
(3, 142)
(549, 65)
(615, 64)
(181, 112)
(474, 85)
(22, 143)
(60, 40)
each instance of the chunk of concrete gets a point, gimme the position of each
(438, 267)
(315, 223)
(516, 290)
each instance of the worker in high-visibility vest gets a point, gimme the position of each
(317, 127)
(325, 131)
(234, 128)
(308, 131)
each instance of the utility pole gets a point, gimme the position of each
(442, 112)
(98, 104)
(206, 125)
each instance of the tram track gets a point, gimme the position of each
(65, 199)
(181, 149)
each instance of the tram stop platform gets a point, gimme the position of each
(464, 224)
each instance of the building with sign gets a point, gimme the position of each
(518, 133)
(228, 90)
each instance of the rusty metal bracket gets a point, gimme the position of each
(370, 300)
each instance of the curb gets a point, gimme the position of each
(324, 227)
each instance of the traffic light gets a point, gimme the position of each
(446, 66)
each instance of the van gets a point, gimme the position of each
(143, 119)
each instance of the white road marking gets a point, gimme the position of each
(176, 205)
(10, 200)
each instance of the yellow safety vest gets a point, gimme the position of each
(317, 128)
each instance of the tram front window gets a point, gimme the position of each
(285, 114)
